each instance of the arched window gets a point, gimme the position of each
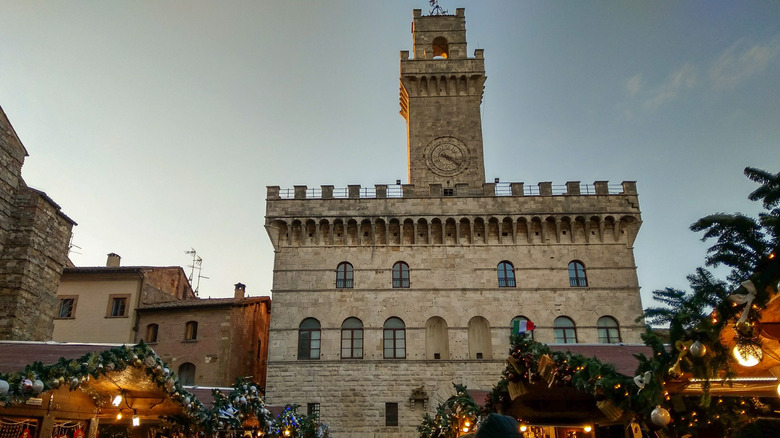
(517, 325)
(151, 333)
(191, 331)
(577, 276)
(309, 339)
(440, 47)
(480, 343)
(609, 332)
(506, 274)
(187, 374)
(352, 339)
(437, 344)
(565, 332)
(344, 276)
(400, 275)
(394, 339)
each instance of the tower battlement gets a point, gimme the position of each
(379, 191)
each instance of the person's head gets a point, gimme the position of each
(498, 426)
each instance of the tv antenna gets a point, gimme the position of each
(436, 9)
(197, 261)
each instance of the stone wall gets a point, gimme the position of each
(352, 394)
(453, 282)
(34, 238)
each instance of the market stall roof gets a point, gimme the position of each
(88, 382)
(15, 355)
(621, 356)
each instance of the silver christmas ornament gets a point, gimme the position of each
(660, 416)
(698, 349)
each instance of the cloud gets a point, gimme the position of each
(741, 61)
(651, 98)
(634, 84)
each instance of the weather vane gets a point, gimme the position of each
(436, 9)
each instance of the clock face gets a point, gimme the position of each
(447, 156)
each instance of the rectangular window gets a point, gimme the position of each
(67, 307)
(391, 414)
(313, 409)
(117, 306)
(448, 192)
(151, 333)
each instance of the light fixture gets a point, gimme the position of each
(523, 427)
(119, 415)
(587, 428)
(117, 400)
(136, 419)
(778, 389)
(747, 355)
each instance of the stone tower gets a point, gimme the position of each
(441, 93)
(34, 237)
(385, 296)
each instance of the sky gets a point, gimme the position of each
(158, 125)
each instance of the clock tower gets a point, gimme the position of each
(441, 93)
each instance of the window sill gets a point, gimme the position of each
(116, 317)
(189, 340)
(65, 317)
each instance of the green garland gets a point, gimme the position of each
(37, 378)
(459, 413)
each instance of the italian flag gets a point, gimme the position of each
(523, 326)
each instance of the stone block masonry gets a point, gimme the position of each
(34, 238)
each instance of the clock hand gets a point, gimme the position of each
(449, 157)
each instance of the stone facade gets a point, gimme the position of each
(231, 339)
(34, 238)
(448, 318)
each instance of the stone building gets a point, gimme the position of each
(210, 342)
(34, 239)
(99, 303)
(384, 296)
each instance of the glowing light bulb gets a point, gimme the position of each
(523, 428)
(588, 428)
(136, 420)
(747, 357)
(119, 416)
(287, 432)
(117, 400)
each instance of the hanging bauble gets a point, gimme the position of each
(74, 383)
(110, 367)
(55, 383)
(221, 425)
(4, 387)
(158, 369)
(186, 400)
(166, 371)
(37, 386)
(27, 385)
(137, 362)
(100, 367)
(149, 361)
(253, 388)
(660, 416)
(236, 400)
(62, 380)
(242, 400)
(698, 349)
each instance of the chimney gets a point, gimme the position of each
(240, 291)
(113, 260)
